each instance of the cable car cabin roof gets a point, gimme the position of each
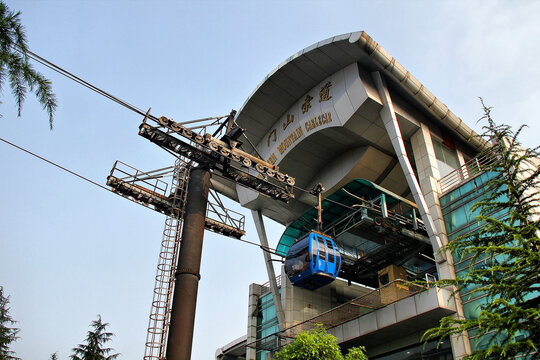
(335, 207)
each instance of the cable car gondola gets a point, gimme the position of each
(313, 261)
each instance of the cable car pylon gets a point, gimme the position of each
(170, 332)
(187, 273)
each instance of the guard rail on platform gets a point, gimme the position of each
(466, 172)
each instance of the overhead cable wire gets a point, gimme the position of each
(253, 146)
(83, 82)
(137, 110)
(55, 164)
(249, 141)
(109, 96)
(94, 88)
(264, 248)
(325, 198)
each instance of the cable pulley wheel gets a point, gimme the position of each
(236, 158)
(246, 162)
(199, 139)
(164, 121)
(187, 133)
(290, 181)
(260, 168)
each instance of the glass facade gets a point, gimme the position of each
(267, 323)
(461, 220)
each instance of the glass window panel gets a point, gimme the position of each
(444, 169)
(446, 157)
(450, 157)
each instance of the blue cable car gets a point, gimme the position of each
(313, 261)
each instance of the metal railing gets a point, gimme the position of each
(146, 188)
(266, 285)
(353, 309)
(148, 180)
(227, 222)
(466, 172)
(373, 211)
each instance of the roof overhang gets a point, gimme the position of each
(234, 349)
(338, 136)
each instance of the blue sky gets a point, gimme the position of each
(70, 250)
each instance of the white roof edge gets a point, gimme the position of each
(392, 68)
(221, 351)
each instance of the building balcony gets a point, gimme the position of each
(398, 324)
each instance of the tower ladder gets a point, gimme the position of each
(156, 338)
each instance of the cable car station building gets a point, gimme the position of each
(399, 171)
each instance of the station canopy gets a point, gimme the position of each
(335, 207)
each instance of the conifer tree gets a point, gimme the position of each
(8, 334)
(504, 253)
(94, 348)
(14, 66)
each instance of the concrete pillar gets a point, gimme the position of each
(287, 298)
(259, 224)
(425, 191)
(428, 175)
(388, 117)
(254, 295)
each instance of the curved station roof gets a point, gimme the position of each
(316, 117)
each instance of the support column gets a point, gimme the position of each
(389, 119)
(255, 291)
(187, 275)
(259, 224)
(428, 174)
(429, 209)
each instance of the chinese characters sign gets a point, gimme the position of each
(314, 111)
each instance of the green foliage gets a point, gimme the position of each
(54, 356)
(316, 344)
(506, 251)
(14, 64)
(94, 348)
(7, 334)
(356, 353)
